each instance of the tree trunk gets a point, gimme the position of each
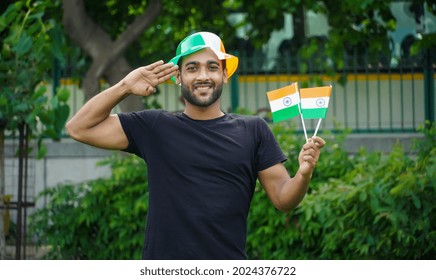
(114, 74)
(107, 55)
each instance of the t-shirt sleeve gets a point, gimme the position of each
(269, 152)
(136, 126)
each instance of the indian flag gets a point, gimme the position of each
(315, 102)
(284, 102)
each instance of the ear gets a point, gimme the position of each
(225, 76)
(178, 78)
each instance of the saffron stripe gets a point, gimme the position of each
(281, 92)
(315, 92)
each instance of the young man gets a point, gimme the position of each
(203, 163)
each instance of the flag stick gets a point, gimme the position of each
(317, 126)
(304, 127)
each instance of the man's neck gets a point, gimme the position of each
(203, 113)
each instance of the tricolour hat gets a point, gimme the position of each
(201, 40)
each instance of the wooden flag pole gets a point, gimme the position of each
(317, 126)
(304, 127)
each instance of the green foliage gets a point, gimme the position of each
(370, 206)
(367, 206)
(29, 45)
(353, 24)
(101, 219)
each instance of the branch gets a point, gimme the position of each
(84, 31)
(132, 32)
(137, 27)
(97, 43)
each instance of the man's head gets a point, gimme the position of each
(201, 76)
(204, 67)
(201, 40)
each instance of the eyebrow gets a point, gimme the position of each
(209, 62)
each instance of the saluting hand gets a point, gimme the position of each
(309, 155)
(144, 80)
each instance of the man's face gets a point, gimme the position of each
(202, 78)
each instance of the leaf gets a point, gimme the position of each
(24, 44)
(9, 15)
(308, 214)
(21, 107)
(54, 102)
(51, 133)
(62, 113)
(42, 151)
(416, 201)
(46, 116)
(36, 15)
(63, 94)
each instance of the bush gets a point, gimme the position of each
(101, 219)
(369, 206)
(381, 208)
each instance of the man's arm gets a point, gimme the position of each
(286, 192)
(93, 124)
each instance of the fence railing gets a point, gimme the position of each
(376, 97)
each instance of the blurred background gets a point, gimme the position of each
(372, 196)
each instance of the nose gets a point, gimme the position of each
(203, 73)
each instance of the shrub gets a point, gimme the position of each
(381, 208)
(100, 219)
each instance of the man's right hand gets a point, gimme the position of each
(144, 80)
(94, 125)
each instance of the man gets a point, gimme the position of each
(203, 163)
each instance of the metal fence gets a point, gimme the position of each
(378, 96)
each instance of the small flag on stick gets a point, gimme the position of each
(284, 102)
(315, 102)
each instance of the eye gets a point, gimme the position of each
(214, 67)
(191, 68)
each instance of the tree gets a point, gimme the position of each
(107, 54)
(106, 41)
(145, 31)
(28, 48)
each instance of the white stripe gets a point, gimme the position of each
(315, 103)
(279, 104)
(211, 41)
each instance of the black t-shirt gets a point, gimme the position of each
(202, 176)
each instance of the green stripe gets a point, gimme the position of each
(320, 113)
(284, 114)
(194, 40)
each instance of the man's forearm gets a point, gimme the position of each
(97, 109)
(293, 192)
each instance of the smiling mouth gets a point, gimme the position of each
(202, 86)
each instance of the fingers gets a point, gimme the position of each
(143, 80)
(152, 66)
(311, 159)
(160, 69)
(159, 72)
(311, 150)
(315, 142)
(167, 73)
(309, 155)
(318, 141)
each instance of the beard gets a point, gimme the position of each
(192, 99)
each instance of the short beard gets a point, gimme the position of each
(192, 99)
